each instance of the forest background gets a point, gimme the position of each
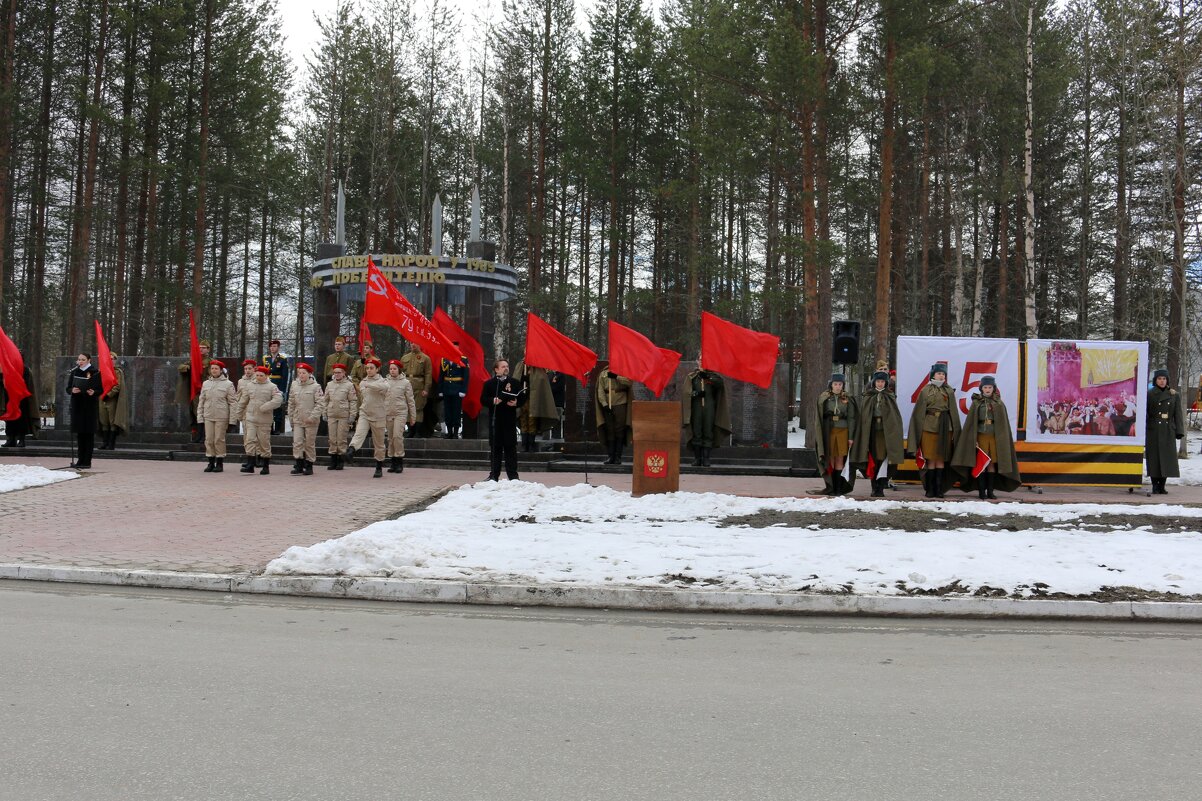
(941, 167)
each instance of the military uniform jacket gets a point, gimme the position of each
(342, 400)
(117, 400)
(399, 400)
(183, 387)
(344, 358)
(306, 403)
(697, 381)
(259, 401)
(279, 371)
(243, 385)
(920, 420)
(453, 379)
(1164, 425)
(217, 400)
(419, 370)
(884, 402)
(373, 398)
(987, 416)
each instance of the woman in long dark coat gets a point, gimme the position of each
(878, 434)
(1165, 425)
(987, 428)
(836, 424)
(934, 429)
(84, 388)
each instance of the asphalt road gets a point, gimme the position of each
(115, 694)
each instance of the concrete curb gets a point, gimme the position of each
(633, 598)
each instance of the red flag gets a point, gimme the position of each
(364, 334)
(546, 347)
(13, 367)
(386, 305)
(983, 462)
(197, 361)
(633, 355)
(738, 352)
(108, 376)
(477, 372)
(919, 459)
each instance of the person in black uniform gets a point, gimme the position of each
(452, 386)
(84, 388)
(278, 376)
(503, 396)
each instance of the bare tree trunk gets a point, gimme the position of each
(77, 332)
(978, 252)
(123, 170)
(1121, 226)
(1032, 329)
(1085, 248)
(925, 326)
(540, 198)
(611, 299)
(884, 241)
(1175, 355)
(6, 137)
(201, 181)
(1003, 266)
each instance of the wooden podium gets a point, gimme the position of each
(656, 447)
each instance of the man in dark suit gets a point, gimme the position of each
(503, 395)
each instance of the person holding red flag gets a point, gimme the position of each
(17, 401)
(706, 413)
(985, 457)
(192, 372)
(114, 404)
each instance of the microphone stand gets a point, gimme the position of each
(70, 436)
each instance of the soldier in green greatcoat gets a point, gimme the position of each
(183, 389)
(706, 413)
(1165, 425)
(114, 410)
(934, 429)
(835, 415)
(878, 447)
(986, 435)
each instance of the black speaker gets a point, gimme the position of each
(845, 342)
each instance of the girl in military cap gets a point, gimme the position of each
(985, 456)
(836, 414)
(1165, 425)
(934, 428)
(878, 447)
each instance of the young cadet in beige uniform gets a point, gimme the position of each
(214, 404)
(255, 408)
(373, 402)
(342, 406)
(306, 404)
(248, 378)
(400, 410)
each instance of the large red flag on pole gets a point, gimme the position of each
(547, 348)
(633, 355)
(386, 305)
(197, 361)
(108, 376)
(474, 351)
(738, 352)
(13, 367)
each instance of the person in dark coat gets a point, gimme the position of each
(1165, 425)
(934, 429)
(503, 395)
(452, 388)
(987, 429)
(278, 363)
(84, 388)
(17, 430)
(835, 415)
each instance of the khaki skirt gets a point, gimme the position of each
(836, 443)
(988, 444)
(934, 447)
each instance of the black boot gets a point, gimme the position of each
(705, 457)
(379, 470)
(212, 464)
(937, 482)
(248, 464)
(113, 438)
(350, 452)
(927, 483)
(696, 456)
(220, 466)
(333, 465)
(339, 461)
(392, 464)
(982, 482)
(400, 464)
(298, 467)
(308, 467)
(266, 466)
(990, 477)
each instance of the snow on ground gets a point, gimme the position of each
(530, 533)
(1191, 471)
(21, 476)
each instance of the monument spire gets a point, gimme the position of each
(436, 228)
(340, 217)
(474, 230)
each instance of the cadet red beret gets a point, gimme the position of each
(217, 362)
(262, 368)
(376, 362)
(274, 342)
(339, 366)
(303, 366)
(251, 362)
(397, 362)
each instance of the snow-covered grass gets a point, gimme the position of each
(21, 476)
(1191, 471)
(597, 536)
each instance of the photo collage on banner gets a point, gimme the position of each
(1091, 393)
(968, 359)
